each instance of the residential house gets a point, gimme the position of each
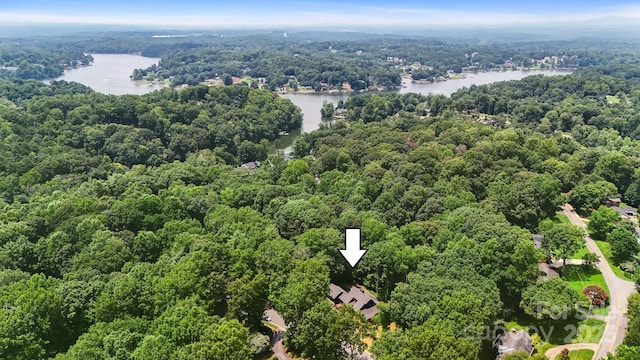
(537, 240)
(513, 341)
(625, 211)
(612, 202)
(356, 297)
(251, 165)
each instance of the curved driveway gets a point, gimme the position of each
(619, 291)
(277, 348)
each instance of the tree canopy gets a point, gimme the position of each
(129, 230)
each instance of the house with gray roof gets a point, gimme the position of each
(360, 300)
(513, 341)
(251, 165)
(625, 211)
(538, 240)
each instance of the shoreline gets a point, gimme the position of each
(406, 77)
(463, 75)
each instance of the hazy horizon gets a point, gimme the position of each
(351, 13)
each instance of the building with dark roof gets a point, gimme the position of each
(624, 211)
(360, 300)
(335, 292)
(613, 202)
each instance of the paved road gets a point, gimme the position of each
(278, 348)
(276, 319)
(619, 291)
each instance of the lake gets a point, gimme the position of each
(109, 74)
(310, 104)
(450, 86)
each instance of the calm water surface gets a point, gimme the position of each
(109, 74)
(450, 86)
(312, 103)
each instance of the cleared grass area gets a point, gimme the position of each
(561, 218)
(605, 247)
(580, 276)
(601, 311)
(270, 325)
(613, 99)
(580, 253)
(590, 331)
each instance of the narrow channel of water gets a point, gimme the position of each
(312, 103)
(110, 74)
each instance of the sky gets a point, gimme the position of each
(278, 13)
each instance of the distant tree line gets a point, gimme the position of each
(27, 62)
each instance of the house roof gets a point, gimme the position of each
(625, 211)
(251, 165)
(515, 341)
(335, 291)
(370, 312)
(537, 240)
(356, 297)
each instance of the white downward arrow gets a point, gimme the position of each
(352, 251)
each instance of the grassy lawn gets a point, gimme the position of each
(584, 354)
(562, 219)
(578, 277)
(605, 247)
(270, 325)
(580, 253)
(601, 311)
(590, 331)
(246, 79)
(613, 99)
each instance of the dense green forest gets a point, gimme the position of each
(315, 60)
(31, 62)
(362, 64)
(129, 230)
